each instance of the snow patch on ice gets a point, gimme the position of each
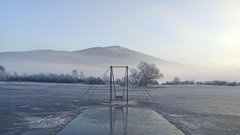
(37, 109)
(46, 122)
(175, 115)
(57, 104)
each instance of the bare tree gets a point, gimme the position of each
(146, 73)
(134, 77)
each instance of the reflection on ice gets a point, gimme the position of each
(120, 120)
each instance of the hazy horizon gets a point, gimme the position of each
(94, 61)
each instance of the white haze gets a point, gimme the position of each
(94, 61)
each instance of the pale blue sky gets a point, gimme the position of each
(186, 31)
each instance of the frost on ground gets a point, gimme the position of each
(46, 122)
(44, 109)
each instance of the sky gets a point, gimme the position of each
(194, 32)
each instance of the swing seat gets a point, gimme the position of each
(118, 108)
(119, 98)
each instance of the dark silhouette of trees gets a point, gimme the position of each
(217, 82)
(176, 81)
(120, 82)
(3, 75)
(145, 74)
(94, 80)
(54, 78)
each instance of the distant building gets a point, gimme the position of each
(2, 73)
(75, 73)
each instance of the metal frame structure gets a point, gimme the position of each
(112, 83)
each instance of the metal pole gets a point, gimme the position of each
(127, 83)
(110, 84)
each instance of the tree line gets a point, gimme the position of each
(177, 81)
(54, 78)
(145, 74)
(219, 82)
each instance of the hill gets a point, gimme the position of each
(92, 61)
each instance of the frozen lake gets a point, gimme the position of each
(38, 108)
